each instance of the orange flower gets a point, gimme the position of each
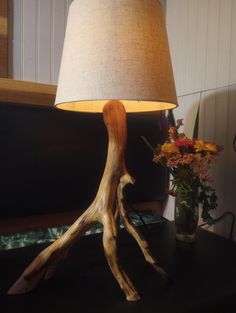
(173, 133)
(169, 148)
(201, 145)
(211, 147)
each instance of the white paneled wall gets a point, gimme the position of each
(203, 43)
(38, 33)
(218, 123)
(203, 48)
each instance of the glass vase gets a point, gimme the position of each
(186, 215)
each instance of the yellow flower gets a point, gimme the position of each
(201, 145)
(211, 147)
(169, 148)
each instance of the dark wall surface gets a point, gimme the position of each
(52, 160)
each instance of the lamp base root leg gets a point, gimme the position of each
(108, 204)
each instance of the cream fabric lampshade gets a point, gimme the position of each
(116, 50)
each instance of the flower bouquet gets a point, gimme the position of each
(189, 162)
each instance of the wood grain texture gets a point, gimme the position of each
(4, 29)
(22, 92)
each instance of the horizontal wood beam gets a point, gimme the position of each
(23, 92)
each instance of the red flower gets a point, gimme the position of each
(184, 143)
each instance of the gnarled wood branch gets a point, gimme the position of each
(108, 204)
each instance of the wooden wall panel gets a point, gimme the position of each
(171, 13)
(191, 44)
(207, 116)
(203, 43)
(224, 42)
(17, 39)
(44, 41)
(180, 65)
(4, 29)
(58, 31)
(198, 76)
(232, 78)
(217, 123)
(230, 170)
(212, 44)
(38, 34)
(29, 40)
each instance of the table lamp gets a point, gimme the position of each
(115, 60)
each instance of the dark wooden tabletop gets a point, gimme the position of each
(203, 277)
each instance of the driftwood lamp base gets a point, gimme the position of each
(107, 207)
